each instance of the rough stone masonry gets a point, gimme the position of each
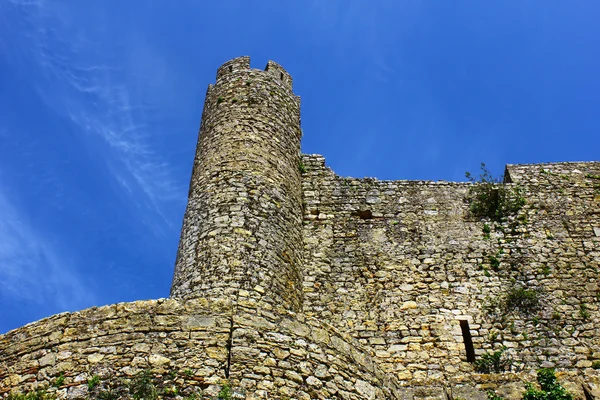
(294, 283)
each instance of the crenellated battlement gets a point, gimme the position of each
(242, 64)
(233, 66)
(279, 73)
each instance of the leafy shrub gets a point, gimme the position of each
(489, 197)
(142, 386)
(550, 388)
(596, 365)
(583, 311)
(58, 382)
(486, 231)
(496, 362)
(301, 167)
(93, 382)
(494, 262)
(225, 393)
(522, 299)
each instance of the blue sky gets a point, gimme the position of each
(100, 104)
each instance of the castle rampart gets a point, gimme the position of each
(293, 282)
(398, 265)
(267, 354)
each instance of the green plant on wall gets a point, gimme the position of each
(225, 393)
(495, 362)
(93, 382)
(494, 262)
(301, 167)
(524, 300)
(58, 382)
(486, 231)
(489, 197)
(142, 386)
(550, 388)
(583, 311)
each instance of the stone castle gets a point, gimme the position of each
(294, 283)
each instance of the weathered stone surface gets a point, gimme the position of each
(242, 230)
(399, 279)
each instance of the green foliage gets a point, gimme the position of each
(485, 270)
(58, 382)
(142, 386)
(93, 382)
(545, 270)
(596, 365)
(36, 395)
(220, 100)
(171, 391)
(522, 299)
(583, 311)
(225, 393)
(491, 395)
(486, 231)
(489, 197)
(550, 388)
(301, 167)
(496, 362)
(494, 262)
(172, 374)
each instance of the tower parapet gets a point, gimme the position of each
(242, 230)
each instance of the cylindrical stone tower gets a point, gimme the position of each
(242, 231)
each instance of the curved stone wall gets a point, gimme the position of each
(242, 229)
(261, 353)
(116, 342)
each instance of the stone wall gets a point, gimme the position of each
(398, 264)
(117, 341)
(243, 224)
(262, 353)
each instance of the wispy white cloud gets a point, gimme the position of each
(105, 94)
(32, 267)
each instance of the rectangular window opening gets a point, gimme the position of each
(466, 333)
